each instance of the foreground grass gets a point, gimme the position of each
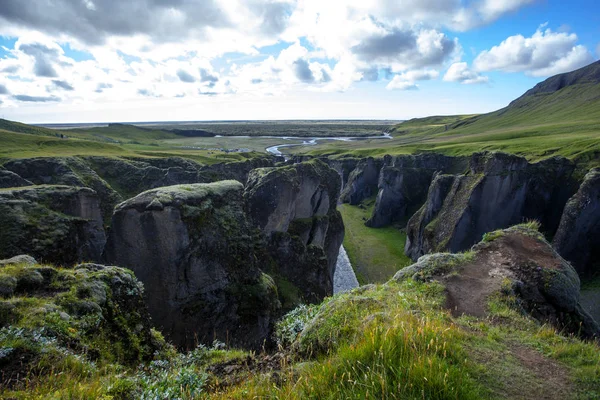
(375, 253)
(396, 341)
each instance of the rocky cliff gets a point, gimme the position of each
(295, 206)
(403, 183)
(193, 248)
(498, 191)
(362, 181)
(517, 263)
(57, 224)
(578, 236)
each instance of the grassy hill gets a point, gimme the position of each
(560, 116)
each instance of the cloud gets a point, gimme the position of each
(407, 80)
(543, 54)
(101, 86)
(302, 71)
(63, 85)
(185, 76)
(35, 99)
(256, 81)
(93, 21)
(3, 89)
(275, 17)
(44, 57)
(460, 72)
(206, 76)
(10, 69)
(370, 74)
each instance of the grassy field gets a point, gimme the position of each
(375, 253)
(564, 123)
(23, 145)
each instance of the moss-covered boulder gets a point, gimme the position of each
(199, 259)
(498, 191)
(518, 262)
(295, 206)
(578, 236)
(65, 319)
(58, 224)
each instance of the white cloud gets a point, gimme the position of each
(460, 72)
(543, 54)
(407, 80)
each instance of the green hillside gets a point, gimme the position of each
(560, 116)
(122, 133)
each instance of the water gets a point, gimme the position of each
(344, 278)
(313, 141)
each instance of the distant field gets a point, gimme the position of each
(22, 145)
(375, 253)
(564, 123)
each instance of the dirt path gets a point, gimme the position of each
(467, 291)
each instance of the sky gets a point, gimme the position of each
(71, 61)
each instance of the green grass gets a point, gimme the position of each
(396, 341)
(564, 123)
(21, 145)
(375, 253)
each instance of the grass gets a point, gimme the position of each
(375, 253)
(21, 145)
(564, 123)
(396, 341)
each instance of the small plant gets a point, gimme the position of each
(290, 326)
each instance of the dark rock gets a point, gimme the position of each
(20, 259)
(418, 237)
(9, 179)
(58, 224)
(500, 190)
(199, 259)
(295, 206)
(362, 181)
(71, 171)
(578, 236)
(403, 184)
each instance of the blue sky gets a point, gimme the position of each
(90, 61)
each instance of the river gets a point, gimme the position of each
(314, 140)
(344, 278)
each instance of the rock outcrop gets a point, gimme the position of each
(116, 179)
(72, 317)
(362, 181)
(295, 206)
(545, 285)
(403, 183)
(199, 259)
(578, 236)
(57, 224)
(70, 171)
(499, 190)
(9, 179)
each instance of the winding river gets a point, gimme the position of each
(314, 140)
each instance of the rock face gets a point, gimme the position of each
(546, 285)
(9, 179)
(403, 183)
(295, 206)
(499, 190)
(578, 236)
(362, 181)
(58, 224)
(71, 171)
(116, 179)
(199, 259)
